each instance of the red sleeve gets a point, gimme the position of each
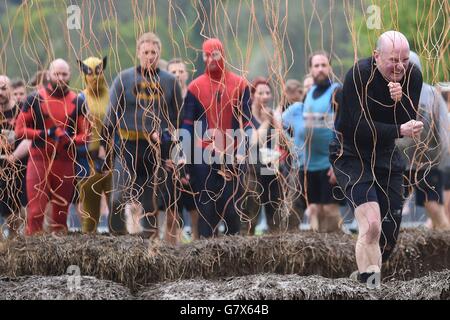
(82, 132)
(25, 125)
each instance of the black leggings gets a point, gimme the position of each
(261, 190)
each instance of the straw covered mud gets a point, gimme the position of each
(304, 265)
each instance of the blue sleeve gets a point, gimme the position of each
(31, 102)
(288, 116)
(115, 107)
(176, 110)
(191, 107)
(191, 113)
(82, 106)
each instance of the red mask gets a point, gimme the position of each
(214, 54)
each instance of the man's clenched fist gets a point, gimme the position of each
(395, 89)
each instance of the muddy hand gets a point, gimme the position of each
(395, 89)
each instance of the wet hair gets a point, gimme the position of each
(175, 61)
(149, 37)
(318, 53)
(17, 83)
(256, 82)
(293, 85)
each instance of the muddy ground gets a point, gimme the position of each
(303, 265)
(434, 286)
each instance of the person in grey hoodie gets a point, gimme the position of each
(428, 156)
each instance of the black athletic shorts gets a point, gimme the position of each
(389, 196)
(428, 185)
(390, 200)
(167, 196)
(316, 188)
(187, 200)
(361, 182)
(446, 179)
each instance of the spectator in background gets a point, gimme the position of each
(312, 124)
(308, 82)
(177, 67)
(261, 181)
(187, 200)
(427, 155)
(19, 90)
(40, 78)
(293, 92)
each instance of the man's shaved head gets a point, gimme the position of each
(392, 55)
(4, 80)
(391, 39)
(5, 89)
(59, 64)
(59, 74)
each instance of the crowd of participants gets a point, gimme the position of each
(222, 150)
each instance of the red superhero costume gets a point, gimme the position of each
(55, 121)
(219, 100)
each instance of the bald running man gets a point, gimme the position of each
(54, 119)
(378, 104)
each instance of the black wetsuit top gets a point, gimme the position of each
(368, 121)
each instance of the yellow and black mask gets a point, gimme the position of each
(92, 69)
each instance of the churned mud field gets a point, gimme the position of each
(303, 265)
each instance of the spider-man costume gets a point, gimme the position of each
(219, 100)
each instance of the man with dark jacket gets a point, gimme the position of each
(379, 104)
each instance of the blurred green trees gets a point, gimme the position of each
(262, 37)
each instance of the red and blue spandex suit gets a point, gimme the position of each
(55, 121)
(218, 100)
